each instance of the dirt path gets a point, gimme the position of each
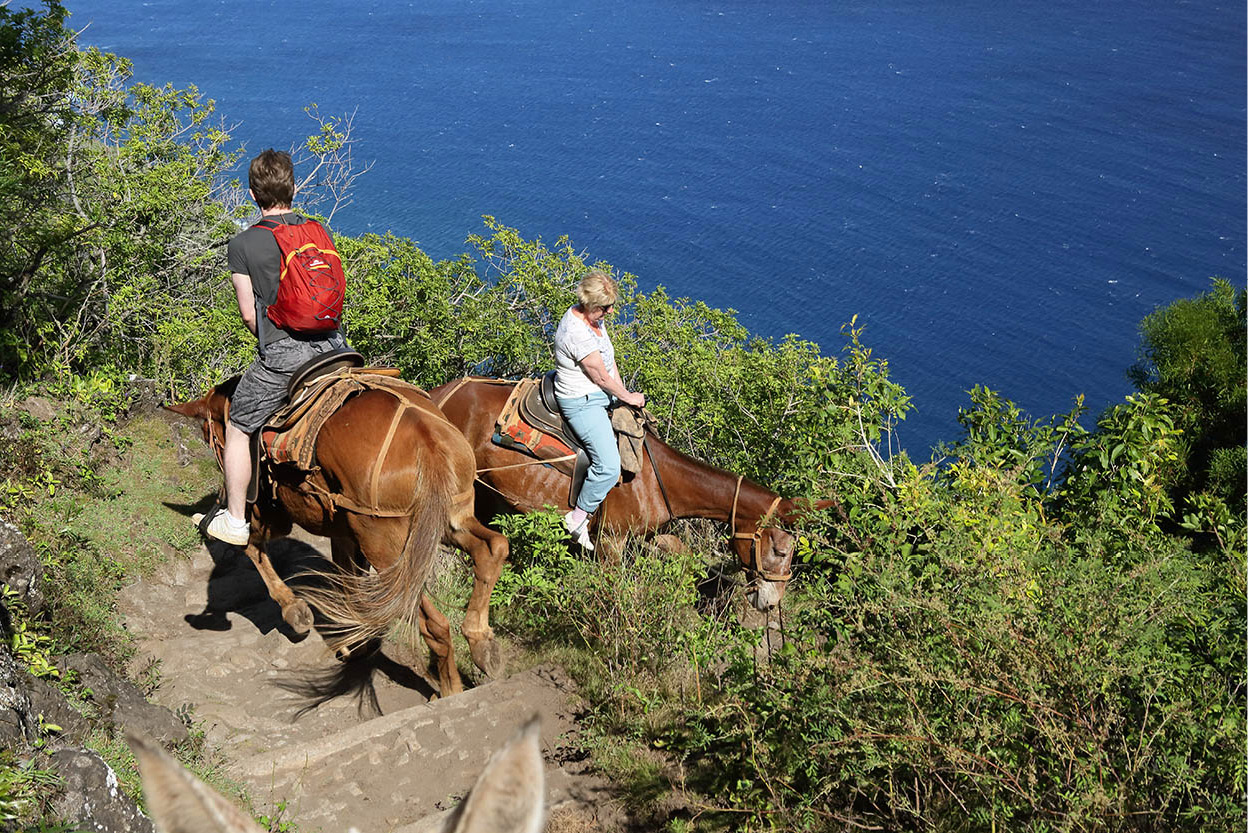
(289, 716)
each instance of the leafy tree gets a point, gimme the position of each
(1193, 354)
(37, 64)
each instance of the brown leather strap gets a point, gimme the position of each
(536, 462)
(464, 381)
(380, 460)
(732, 520)
(757, 535)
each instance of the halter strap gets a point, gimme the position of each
(757, 535)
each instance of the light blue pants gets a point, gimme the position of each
(588, 418)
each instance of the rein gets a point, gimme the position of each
(464, 381)
(645, 444)
(757, 535)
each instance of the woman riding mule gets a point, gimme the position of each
(586, 383)
(671, 485)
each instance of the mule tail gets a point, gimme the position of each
(364, 607)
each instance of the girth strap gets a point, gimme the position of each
(645, 444)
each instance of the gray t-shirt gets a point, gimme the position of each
(574, 340)
(255, 252)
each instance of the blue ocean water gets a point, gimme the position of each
(999, 189)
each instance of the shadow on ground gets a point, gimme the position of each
(235, 587)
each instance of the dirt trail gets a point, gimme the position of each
(288, 715)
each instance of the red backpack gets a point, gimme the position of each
(311, 284)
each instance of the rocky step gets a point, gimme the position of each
(407, 769)
(288, 716)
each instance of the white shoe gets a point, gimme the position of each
(580, 534)
(223, 528)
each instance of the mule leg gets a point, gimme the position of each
(348, 556)
(295, 611)
(489, 550)
(436, 629)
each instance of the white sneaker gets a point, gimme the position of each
(580, 534)
(223, 528)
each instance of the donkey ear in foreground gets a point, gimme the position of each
(508, 796)
(177, 800)
(510, 793)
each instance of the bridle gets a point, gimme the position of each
(756, 537)
(218, 443)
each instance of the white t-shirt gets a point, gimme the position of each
(574, 340)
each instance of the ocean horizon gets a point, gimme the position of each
(1000, 191)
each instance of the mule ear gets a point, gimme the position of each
(510, 793)
(176, 799)
(194, 408)
(790, 512)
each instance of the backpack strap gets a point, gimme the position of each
(262, 308)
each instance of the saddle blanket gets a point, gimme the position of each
(513, 431)
(289, 436)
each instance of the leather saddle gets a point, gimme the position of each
(295, 405)
(540, 409)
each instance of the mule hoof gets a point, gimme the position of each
(298, 616)
(488, 657)
(358, 651)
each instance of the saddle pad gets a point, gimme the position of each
(515, 433)
(289, 436)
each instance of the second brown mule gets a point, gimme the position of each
(683, 488)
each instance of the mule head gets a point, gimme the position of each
(768, 558)
(771, 563)
(766, 552)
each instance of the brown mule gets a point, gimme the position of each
(683, 488)
(395, 479)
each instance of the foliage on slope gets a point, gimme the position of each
(1042, 630)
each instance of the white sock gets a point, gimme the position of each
(236, 523)
(576, 518)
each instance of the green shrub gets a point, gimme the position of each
(931, 694)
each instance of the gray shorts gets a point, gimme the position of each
(262, 390)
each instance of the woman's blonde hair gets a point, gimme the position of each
(596, 290)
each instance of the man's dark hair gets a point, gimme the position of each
(272, 179)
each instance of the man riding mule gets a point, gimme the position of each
(257, 266)
(372, 464)
(390, 478)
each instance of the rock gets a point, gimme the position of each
(41, 409)
(121, 703)
(91, 798)
(20, 568)
(17, 725)
(144, 396)
(49, 704)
